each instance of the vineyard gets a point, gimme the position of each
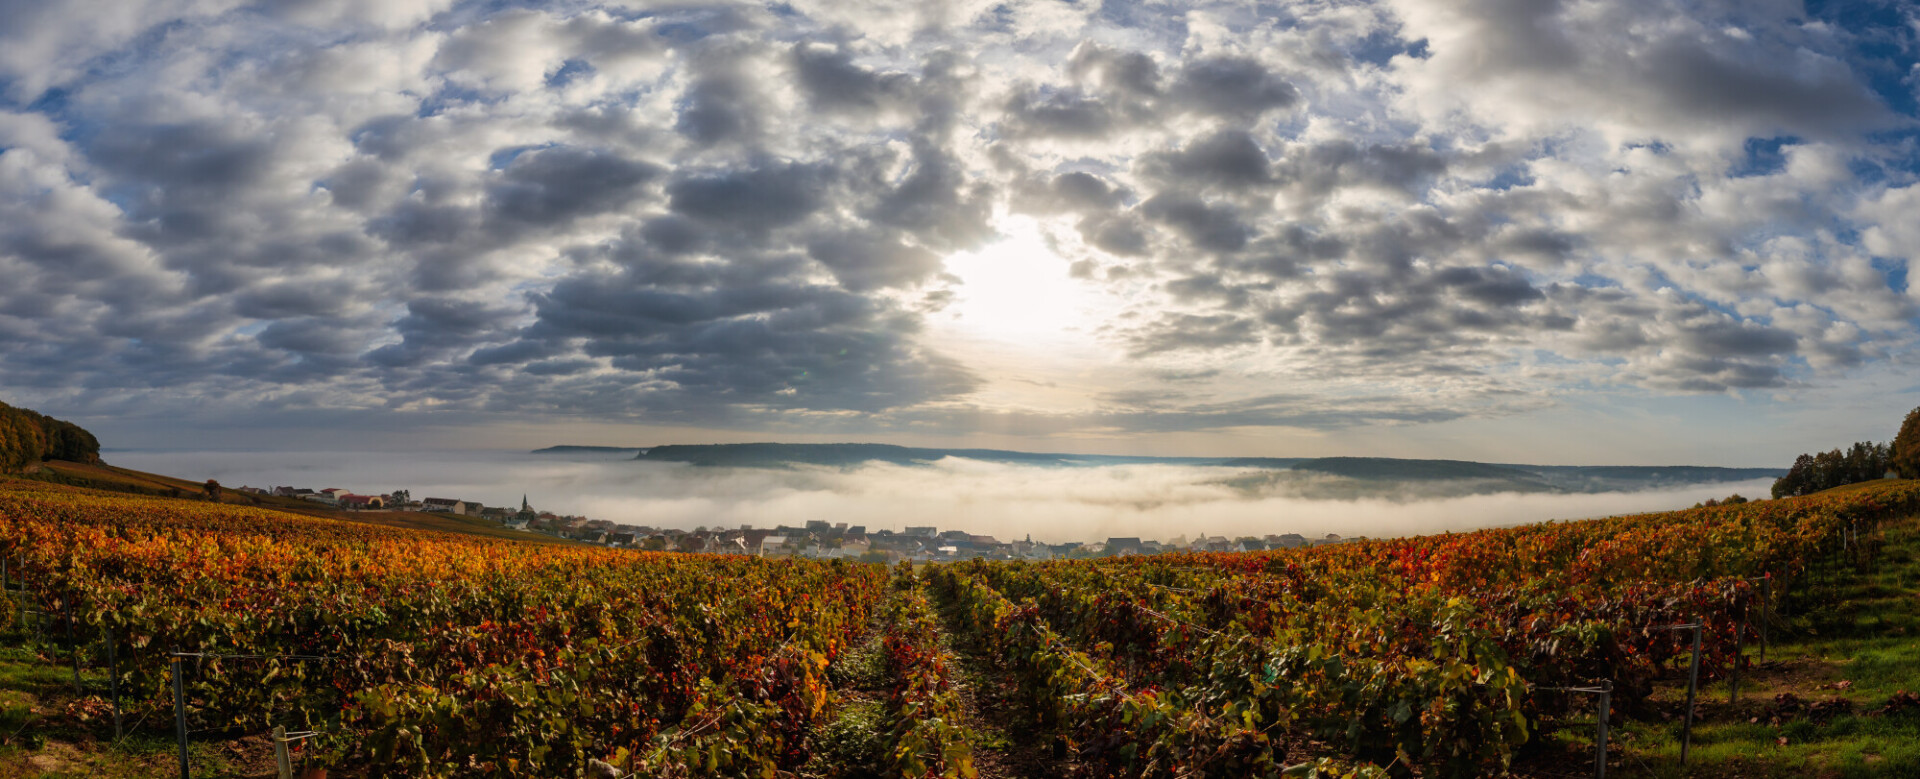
(425, 654)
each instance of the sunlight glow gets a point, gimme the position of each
(1018, 290)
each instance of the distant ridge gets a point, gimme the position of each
(1412, 470)
(570, 449)
(771, 455)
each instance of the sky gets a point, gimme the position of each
(1543, 231)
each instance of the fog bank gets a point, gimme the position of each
(1006, 501)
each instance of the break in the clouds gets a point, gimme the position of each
(823, 216)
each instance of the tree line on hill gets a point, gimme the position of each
(1864, 461)
(1811, 473)
(28, 437)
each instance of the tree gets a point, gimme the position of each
(1906, 447)
(212, 489)
(1798, 479)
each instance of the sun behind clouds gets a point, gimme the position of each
(1019, 291)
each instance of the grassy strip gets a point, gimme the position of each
(1834, 699)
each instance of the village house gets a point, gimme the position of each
(896, 544)
(448, 505)
(754, 542)
(1286, 541)
(1028, 550)
(363, 502)
(853, 547)
(697, 542)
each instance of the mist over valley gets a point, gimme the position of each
(1151, 498)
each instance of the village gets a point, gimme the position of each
(815, 539)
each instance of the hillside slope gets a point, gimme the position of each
(108, 478)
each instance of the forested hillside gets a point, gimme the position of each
(28, 437)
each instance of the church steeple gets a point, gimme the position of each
(524, 505)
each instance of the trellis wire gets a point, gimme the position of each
(180, 694)
(281, 738)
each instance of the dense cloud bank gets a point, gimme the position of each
(736, 214)
(1052, 504)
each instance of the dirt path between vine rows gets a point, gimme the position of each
(1001, 748)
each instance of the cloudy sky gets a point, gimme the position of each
(1519, 230)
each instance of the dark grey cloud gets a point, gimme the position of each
(1118, 236)
(716, 109)
(1081, 190)
(1737, 339)
(435, 329)
(936, 200)
(1193, 331)
(202, 158)
(1232, 86)
(548, 187)
(767, 196)
(779, 342)
(1489, 286)
(1059, 113)
(1318, 170)
(833, 82)
(863, 261)
(1211, 226)
(1228, 159)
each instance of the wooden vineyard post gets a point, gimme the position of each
(1766, 612)
(280, 758)
(180, 716)
(113, 682)
(73, 647)
(1693, 684)
(1739, 650)
(1600, 730)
